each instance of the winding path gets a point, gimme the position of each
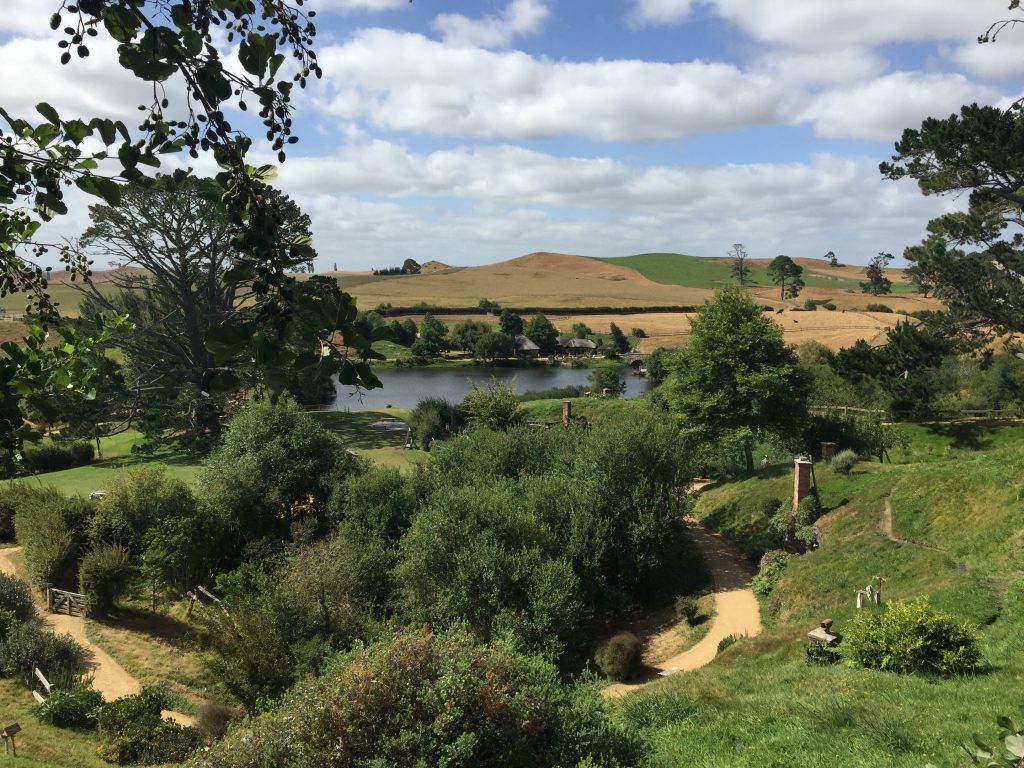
(737, 611)
(887, 530)
(108, 677)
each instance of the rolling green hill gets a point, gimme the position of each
(702, 272)
(956, 494)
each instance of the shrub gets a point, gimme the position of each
(213, 720)
(769, 571)
(103, 576)
(494, 406)
(810, 305)
(829, 306)
(725, 642)
(76, 706)
(16, 597)
(434, 418)
(687, 608)
(912, 637)
(52, 457)
(52, 528)
(437, 700)
(8, 623)
(60, 658)
(134, 734)
(620, 658)
(843, 461)
(878, 308)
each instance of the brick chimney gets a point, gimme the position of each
(801, 481)
(566, 412)
(828, 450)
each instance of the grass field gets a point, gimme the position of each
(699, 272)
(956, 491)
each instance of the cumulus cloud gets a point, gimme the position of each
(1003, 58)
(520, 17)
(357, 5)
(881, 108)
(814, 24)
(407, 82)
(656, 12)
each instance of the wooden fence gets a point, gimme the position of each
(991, 414)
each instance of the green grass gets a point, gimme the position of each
(762, 705)
(702, 272)
(39, 744)
(592, 408)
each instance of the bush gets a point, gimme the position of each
(829, 306)
(843, 461)
(726, 642)
(620, 658)
(52, 529)
(437, 700)
(76, 706)
(213, 720)
(59, 657)
(912, 637)
(103, 576)
(434, 418)
(810, 305)
(687, 608)
(16, 597)
(494, 406)
(52, 457)
(134, 734)
(769, 571)
(878, 308)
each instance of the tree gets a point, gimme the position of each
(581, 330)
(511, 323)
(99, 156)
(410, 267)
(786, 274)
(172, 249)
(738, 258)
(494, 346)
(917, 277)
(736, 377)
(432, 339)
(877, 283)
(638, 333)
(657, 366)
(602, 379)
(542, 332)
(489, 306)
(466, 334)
(619, 341)
(404, 332)
(974, 263)
(833, 260)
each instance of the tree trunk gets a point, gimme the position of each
(748, 456)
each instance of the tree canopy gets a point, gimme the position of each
(736, 377)
(973, 258)
(877, 283)
(788, 275)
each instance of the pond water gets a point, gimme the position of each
(405, 387)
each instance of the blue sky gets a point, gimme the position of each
(471, 132)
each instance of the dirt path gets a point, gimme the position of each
(891, 536)
(109, 677)
(736, 609)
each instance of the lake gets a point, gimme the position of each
(405, 387)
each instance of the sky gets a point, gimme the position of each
(473, 132)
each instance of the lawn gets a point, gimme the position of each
(761, 704)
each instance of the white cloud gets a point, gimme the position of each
(345, 6)
(820, 25)
(520, 17)
(407, 82)
(655, 12)
(1003, 58)
(880, 109)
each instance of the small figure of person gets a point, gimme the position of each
(765, 462)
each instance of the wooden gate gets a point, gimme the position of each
(72, 603)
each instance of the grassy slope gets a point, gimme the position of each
(762, 705)
(700, 272)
